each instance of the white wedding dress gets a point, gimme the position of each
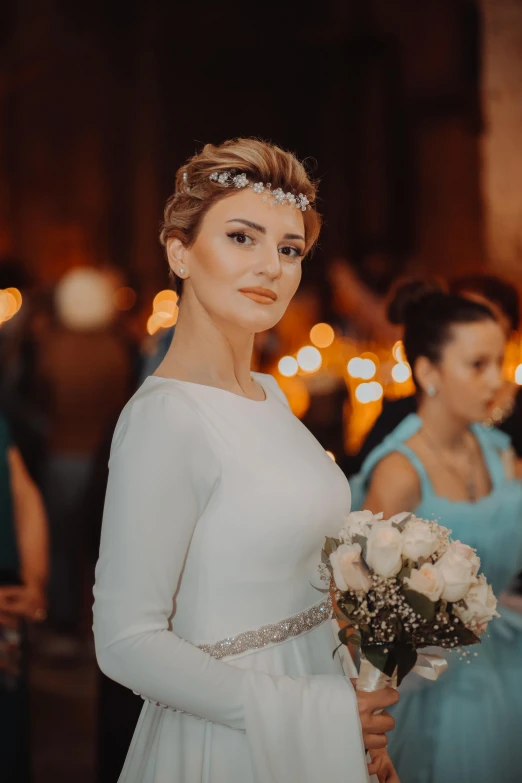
(216, 511)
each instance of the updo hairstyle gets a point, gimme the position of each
(428, 315)
(500, 292)
(261, 161)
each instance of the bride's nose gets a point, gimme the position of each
(269, 262)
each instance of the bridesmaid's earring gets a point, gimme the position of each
(181, 271)
(431, 391)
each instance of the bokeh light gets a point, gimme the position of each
(165, 311)
(288, 366)
(85, 299)
(361, 368)
(10, 303)
(354, 367)
(401, 372)
(322, 335)
(369, 392)
(162, 298)
(518, 375)
(398, 352)
(309, 358)
(368, 369)
(331, 455)
(17, 295)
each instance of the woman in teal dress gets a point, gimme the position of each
(23, 576)
(443, 465)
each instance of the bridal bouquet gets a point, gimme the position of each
(402, 584)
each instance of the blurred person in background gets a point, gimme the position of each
(85, 370)
(20, 338)
(23, 581)
(442, 463)
(502, 299)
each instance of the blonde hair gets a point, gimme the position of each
(260, 161)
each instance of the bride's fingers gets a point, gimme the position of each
(375, 741)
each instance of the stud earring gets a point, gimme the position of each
(431, 391)
(181, 271)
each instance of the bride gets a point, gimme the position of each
(216, 510)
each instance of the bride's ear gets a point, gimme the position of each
(177, 257)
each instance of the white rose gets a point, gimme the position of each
(357, 524)
(384, 549)
(457, 572)
(426, 581)
(349, 571)
(418, 540)
(481, 606)
(469, 553)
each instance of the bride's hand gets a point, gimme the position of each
(374, 727)
(382, 766)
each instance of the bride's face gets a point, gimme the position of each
(243, 243)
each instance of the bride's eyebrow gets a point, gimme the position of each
(255, 226)
(262, 229)
(294, 236)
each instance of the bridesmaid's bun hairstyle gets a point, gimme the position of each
(260, 161)
(428, 315)
(407, 297)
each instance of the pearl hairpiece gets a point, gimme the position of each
(232, 179)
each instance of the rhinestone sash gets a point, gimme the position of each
(271, 634)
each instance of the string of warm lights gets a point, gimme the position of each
(10, 303)
(369, 375)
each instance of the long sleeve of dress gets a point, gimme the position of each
(162, 473)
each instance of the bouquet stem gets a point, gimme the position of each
(372, 679)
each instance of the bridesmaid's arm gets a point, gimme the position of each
(394, 486)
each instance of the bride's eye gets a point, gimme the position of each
(291, 251)
(240, 238)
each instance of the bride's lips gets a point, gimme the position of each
(260, 295)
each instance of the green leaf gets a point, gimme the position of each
(420, 604)
(402, 524)
(325, 560)
(406, 658)
(380, 659)
(466, 636)
(343, 635)
(404, 572)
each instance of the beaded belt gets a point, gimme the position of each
(271, 634)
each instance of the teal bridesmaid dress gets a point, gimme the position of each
(467, 726)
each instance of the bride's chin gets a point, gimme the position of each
(257, 323)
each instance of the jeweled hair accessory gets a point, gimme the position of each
(278, 196)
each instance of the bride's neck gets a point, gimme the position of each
(201, 351)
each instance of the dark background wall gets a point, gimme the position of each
(101, 101)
